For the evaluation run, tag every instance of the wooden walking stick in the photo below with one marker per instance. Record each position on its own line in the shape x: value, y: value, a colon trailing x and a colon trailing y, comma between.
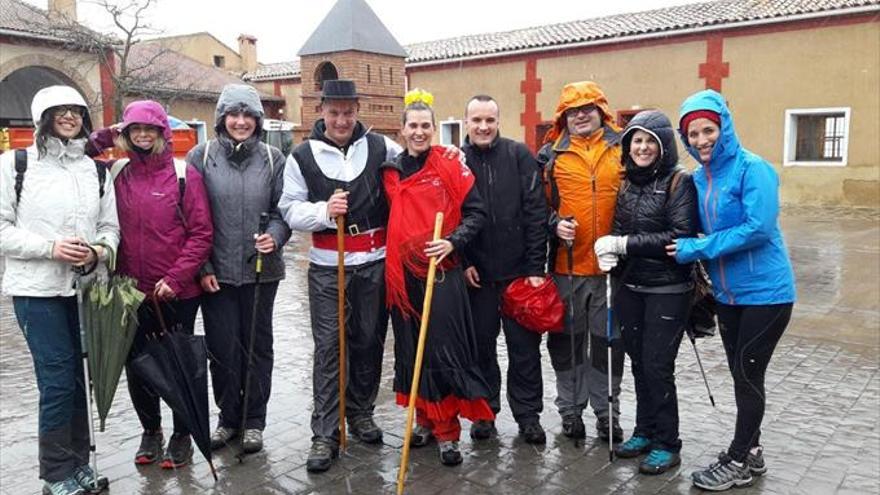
x: 340, y: 311
x: 420, y: 354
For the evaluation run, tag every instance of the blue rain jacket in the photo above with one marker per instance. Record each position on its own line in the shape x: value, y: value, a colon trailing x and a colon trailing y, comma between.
x: 738, y: 196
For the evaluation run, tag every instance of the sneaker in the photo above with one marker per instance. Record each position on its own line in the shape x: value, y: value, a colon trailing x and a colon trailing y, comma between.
x: 659, y: 461
x: 68, y: 486
x: 321, y: 455
x: 222, y: 436
x: 252, y: 440
x: 85, y: 477
x: 723, y: 474
x: 533, y: 433
x: 483, y: 430
x: 602, y: 430
x: 450, y: 455
x: 150, y: 449
x: 421, y: 436
x: 179, y: 452
x: 573, y: 427
x: 755, y: 461
x: 633, y: 447
x: 365, y: 429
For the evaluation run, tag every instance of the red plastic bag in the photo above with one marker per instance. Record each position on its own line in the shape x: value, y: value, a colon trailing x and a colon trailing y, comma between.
x: 539, y: 309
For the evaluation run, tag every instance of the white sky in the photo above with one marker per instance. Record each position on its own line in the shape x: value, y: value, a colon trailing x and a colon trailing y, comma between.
x: 282, y: 26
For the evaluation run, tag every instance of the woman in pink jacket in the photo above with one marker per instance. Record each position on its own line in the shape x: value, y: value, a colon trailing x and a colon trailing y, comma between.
x: 166, y: 231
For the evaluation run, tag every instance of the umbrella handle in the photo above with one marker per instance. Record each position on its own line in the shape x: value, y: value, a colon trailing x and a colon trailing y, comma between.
x: 420, y: 354
x: 158, y: 310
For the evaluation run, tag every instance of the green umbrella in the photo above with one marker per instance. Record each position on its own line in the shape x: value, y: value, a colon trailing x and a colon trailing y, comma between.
x: 110, y: 316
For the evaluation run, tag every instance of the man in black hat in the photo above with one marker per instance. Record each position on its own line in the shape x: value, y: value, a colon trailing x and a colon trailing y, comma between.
x: 341, y: 155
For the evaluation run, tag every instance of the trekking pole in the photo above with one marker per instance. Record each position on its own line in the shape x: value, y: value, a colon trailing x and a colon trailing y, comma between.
x: 575, y: 379
x: 608, y: 334
x: 258, y: 270
x: 420, y: 354
x: 84, y: 348
x: 340, y: 311
x: 693, y: 340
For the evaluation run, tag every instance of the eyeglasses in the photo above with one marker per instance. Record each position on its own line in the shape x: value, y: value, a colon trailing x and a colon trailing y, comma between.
x: 585, y: 109
x: 75, y: 110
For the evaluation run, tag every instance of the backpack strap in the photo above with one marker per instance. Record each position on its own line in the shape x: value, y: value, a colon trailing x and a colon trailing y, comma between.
x: 205, y: 156
x: 117, y: 167
x: 271, y: 159
x: 20, y: 169
x: 102, y: 177
x: 673, y: 184
x: 180, y: 171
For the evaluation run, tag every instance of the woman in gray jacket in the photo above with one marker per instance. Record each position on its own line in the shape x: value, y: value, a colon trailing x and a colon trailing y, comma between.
x: 56, y: 213
x: 244, y: 178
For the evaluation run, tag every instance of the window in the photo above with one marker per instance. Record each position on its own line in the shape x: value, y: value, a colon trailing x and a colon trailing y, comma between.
x: 816, y: 136
x: 219, y: 61
x: 390, y: 75
x: 450, y: 132
x: 369, y: 79
x: 323, y: 72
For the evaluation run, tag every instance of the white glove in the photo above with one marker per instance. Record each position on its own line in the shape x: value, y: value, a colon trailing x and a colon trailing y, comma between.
x: 614, y: 244
x: 607, y: 261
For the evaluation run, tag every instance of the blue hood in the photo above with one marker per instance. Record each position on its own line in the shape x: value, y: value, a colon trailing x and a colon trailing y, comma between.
x: 728, y: 146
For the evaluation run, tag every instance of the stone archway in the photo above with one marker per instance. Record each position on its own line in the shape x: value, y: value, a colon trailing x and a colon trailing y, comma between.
x: 325, y: 71
x: 22, y: 77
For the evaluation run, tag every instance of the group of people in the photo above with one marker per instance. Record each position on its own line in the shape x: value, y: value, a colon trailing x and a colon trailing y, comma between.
x: 596, y: 199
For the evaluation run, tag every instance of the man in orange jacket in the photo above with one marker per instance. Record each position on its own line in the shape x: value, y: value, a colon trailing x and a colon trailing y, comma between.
x: 581, y: 160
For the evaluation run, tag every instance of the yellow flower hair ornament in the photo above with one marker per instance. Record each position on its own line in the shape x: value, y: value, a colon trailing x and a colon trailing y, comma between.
x: 418, y: 95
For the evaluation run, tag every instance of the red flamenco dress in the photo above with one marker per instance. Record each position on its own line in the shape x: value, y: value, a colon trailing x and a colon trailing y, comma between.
x: 451, y: 383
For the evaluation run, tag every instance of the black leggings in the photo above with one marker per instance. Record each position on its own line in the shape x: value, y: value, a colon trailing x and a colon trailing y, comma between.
x: 750, y: 334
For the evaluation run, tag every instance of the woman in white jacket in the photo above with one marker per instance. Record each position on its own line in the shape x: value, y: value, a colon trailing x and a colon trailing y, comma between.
x: 55, y: 214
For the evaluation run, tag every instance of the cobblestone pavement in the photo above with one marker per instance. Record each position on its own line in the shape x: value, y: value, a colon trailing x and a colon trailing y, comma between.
x: 820, y: 431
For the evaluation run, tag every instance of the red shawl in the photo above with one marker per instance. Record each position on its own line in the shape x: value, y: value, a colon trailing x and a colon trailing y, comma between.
x: 441, y: 185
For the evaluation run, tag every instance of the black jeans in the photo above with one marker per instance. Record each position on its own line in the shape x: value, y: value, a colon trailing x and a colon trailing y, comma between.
x: 179, y: 316
x: 524, y: 384
x: 652, y: 327
x: 227, y: 315
x: 750, y: 335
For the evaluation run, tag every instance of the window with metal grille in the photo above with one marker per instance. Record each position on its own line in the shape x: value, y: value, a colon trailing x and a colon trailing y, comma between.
x: 816, y: 136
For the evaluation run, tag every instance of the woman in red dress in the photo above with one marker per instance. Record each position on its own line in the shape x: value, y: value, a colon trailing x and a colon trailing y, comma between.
x: 419, y: 183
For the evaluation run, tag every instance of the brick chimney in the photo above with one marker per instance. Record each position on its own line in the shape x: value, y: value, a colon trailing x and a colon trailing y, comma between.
x: 247, y: 49
x: 62, y: 9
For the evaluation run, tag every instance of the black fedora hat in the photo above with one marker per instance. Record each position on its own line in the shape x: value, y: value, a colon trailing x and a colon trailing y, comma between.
x: 338, y: 89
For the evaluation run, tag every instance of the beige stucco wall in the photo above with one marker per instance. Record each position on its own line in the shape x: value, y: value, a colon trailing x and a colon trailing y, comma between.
x: 202, y: 47
x: 837, y: 66
x: 291, y: 91
x: 82, y: 69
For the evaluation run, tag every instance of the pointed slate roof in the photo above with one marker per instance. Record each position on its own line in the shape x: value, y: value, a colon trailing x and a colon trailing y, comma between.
x: 352, y: 25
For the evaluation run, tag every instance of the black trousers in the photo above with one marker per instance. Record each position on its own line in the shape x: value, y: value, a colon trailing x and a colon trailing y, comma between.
x: 750, y: 335
x: 652, y: 326
x: 366, y: 324
x: 179, y: 316
x: 524, y: 384
x: 227, y: 316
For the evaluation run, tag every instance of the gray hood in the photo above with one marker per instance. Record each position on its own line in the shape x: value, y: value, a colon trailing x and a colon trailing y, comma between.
x: 235, y: 96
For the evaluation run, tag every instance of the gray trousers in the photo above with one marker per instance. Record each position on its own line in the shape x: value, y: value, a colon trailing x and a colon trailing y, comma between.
x: 366, y: 323
x: 587, y: 380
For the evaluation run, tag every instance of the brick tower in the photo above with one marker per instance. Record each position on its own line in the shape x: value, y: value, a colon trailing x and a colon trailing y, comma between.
x: 352, y: 43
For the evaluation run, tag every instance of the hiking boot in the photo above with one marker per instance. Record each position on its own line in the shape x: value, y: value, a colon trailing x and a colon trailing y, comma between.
x: 573, y: 427
x: 723, y: 474
x: 421, y: 436
x: 450, y: 455
x: 483, y: 430
x: 533, y: 433
x: 150, y: 449
x: 321, y: 455
x: 365, y: 429
x: 252, y: 441
x: 85, y: 477
x: 67, y: 486
x: 659, y: 461
x: 755, y: 461
x: 633, y: 447
x: 602, y: 430
x: 222, y: 436
x: 179, y: 452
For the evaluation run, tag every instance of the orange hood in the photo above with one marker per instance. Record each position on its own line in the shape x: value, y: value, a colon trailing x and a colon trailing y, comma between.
x: 578, y: 94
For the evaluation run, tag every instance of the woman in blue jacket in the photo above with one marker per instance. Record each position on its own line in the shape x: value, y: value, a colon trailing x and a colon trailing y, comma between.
x: 749, y: 266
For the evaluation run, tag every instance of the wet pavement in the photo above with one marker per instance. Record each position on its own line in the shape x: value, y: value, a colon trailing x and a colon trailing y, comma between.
x: 820, y: 431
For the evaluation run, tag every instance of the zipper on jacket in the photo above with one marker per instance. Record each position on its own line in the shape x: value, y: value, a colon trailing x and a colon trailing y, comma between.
x: 709, y: 196
x: 595, y: 232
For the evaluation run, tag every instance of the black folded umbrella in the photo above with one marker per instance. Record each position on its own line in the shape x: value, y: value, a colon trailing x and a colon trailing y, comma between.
x: 175, y: 365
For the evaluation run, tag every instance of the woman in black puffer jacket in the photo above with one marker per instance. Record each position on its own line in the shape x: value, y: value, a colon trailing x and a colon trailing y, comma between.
x: 656, y: 204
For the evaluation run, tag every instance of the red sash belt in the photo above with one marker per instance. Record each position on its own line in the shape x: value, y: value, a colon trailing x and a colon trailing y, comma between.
x: 360, y: 243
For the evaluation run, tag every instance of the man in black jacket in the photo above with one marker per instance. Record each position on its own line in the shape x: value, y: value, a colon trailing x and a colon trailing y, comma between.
x: 510, y: 246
